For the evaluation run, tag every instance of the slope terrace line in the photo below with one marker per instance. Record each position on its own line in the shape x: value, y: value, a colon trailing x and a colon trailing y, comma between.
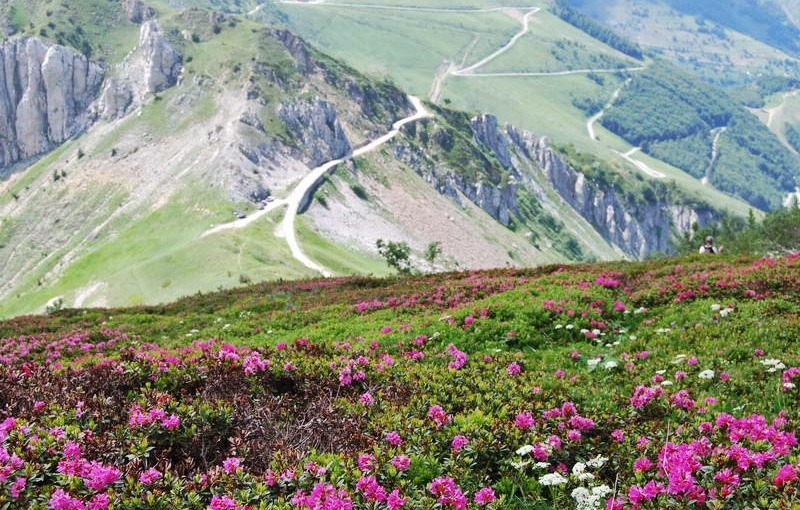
x: 304, y: 190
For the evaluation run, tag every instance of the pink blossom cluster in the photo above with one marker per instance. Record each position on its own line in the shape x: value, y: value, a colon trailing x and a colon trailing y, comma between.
x: 138, y: 418
x: 643, y: 395
x: 323, y: 496
x: 459, y: 358
x: 448, y: 493
x: 438, y: 415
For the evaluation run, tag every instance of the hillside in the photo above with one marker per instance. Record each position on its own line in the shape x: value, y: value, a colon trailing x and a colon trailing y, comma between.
x: 219, y: 151
x: 552, y: 77
x: 648, y: 385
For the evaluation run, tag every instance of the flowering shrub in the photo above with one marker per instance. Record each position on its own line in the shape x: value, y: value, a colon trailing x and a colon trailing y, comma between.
x: 624, y: 386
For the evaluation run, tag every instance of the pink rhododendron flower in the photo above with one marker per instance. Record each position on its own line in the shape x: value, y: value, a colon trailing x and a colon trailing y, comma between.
x: 642, y: 464
x: 371, y: 489
x: 223, y: 503
x: 394, y: 501
x: 171, y: 423
x: 366, y: 462
x: 524, y: 421
x: 786, y: 474
x: 60, y: 500
x: 394, y: 439
x: 99, y: 502
x: 231, y: 465
x: 459, y: 442
x: 438, y: 415
x: 449, y: 494
x: 484, y: 496
x: 401, y: 462
x: 149, y: 476
x: 17, y: 487
x: 100, y: 476
x: 366, y: 399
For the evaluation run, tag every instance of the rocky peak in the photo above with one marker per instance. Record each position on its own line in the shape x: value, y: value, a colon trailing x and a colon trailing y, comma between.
x: 45, y: 93
x: 138, y: 11
x: 152, y: 67
x: 315, y: 124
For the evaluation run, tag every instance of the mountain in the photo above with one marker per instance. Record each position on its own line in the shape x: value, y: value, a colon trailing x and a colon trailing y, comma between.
x: 160, y: 150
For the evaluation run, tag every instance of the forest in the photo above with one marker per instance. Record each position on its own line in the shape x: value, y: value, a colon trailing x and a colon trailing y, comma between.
x: 675, y: 117
x: 596, y: 30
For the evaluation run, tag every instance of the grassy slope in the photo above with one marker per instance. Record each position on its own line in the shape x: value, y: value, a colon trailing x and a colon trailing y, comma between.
x: 672, y: 331
x: 542, y: 105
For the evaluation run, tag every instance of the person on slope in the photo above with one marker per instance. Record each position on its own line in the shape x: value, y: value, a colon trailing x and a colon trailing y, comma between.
x: 709, y: 247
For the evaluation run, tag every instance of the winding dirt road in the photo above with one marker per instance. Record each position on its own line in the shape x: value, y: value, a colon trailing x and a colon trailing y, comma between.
x: 594, y: 118
x: 304, y: 190
x: 628, y: 156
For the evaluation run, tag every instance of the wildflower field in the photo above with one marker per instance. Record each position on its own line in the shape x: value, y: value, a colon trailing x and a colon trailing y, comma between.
x: 662, y: 384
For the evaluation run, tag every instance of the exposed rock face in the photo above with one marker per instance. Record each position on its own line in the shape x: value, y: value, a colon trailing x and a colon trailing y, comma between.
x: 315, y: 125
x: 45, y: 93
x: 138, y: 11
x: 638, y: 228
x: 152, y: 67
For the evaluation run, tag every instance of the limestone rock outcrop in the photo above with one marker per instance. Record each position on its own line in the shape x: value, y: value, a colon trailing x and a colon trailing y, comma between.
x: 45, y: 94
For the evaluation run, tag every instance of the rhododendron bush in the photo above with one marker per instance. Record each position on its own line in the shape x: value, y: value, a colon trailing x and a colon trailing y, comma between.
x: 665, y: 384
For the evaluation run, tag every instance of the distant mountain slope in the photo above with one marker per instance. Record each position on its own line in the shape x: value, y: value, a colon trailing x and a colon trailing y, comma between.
x: 728, y: 43
x: 674, y: 117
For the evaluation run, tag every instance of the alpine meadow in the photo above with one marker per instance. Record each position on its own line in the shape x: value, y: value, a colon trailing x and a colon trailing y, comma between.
x: 399, y: 254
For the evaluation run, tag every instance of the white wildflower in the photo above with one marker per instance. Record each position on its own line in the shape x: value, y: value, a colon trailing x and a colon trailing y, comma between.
x: 597, y: 462
x: 608, y: 365
x: 788, y: 386
x: 542, y: 465
x: 602, y: 491
x: 725, y: 312
x: 593, y: 362
x: 661, y: 372
x: 716, y: 307
x: 666, y: 382
x: 525, y: 450
x: 578, y: 468
x: 569, y: 326
x: 706, y: 374
x: 552, y: 479
x: 559, y: 326
x: 633, y: 337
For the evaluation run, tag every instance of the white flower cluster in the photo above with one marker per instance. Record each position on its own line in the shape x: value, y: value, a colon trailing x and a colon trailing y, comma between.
x: 723, y: 312
x: 579, y: 472
x: 706, y: 374
x: 551, y: 479
x: 586, y: 499
x: 773, y: 364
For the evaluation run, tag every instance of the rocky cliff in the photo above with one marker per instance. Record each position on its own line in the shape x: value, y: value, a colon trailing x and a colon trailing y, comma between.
x: 637, y: 226
x: 45, y: 94
x: 50, y: 93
